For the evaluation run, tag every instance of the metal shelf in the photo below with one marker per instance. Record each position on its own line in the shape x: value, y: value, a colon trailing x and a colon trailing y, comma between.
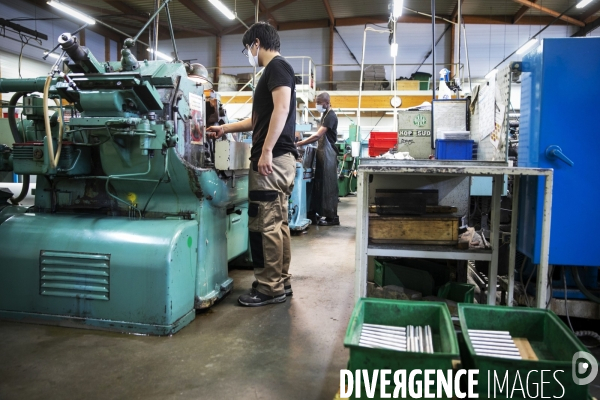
x: 427, y: 251
x: 403, y: 169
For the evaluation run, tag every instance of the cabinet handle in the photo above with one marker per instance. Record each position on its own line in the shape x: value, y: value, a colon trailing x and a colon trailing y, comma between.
x: 553, y: 152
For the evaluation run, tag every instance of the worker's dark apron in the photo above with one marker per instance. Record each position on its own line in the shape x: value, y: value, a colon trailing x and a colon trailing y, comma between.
x: 325, y: 188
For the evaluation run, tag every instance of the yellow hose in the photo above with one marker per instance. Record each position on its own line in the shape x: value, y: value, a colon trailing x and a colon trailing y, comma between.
x: 60, y: 132
x: 47, y: 123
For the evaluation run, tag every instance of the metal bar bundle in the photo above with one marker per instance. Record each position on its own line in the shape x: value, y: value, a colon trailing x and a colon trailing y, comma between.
x: 494, y: 344
x: 417, y: 339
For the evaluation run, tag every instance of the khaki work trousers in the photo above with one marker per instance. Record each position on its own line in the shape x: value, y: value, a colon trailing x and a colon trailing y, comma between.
x: 270, y: 242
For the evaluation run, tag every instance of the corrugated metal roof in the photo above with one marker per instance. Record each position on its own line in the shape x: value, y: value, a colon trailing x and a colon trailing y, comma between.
x: 357, y: 8
x: 301, y: 10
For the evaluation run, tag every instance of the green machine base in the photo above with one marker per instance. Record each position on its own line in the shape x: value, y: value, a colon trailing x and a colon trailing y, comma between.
x: 110, y: 273
x: 99, y: 324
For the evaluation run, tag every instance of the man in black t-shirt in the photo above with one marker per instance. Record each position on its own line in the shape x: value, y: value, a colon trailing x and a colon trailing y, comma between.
x: 324, y: 199
x: 273, y: 166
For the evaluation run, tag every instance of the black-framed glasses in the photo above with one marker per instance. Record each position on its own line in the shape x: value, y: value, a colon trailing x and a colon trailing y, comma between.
x: 245, y: 51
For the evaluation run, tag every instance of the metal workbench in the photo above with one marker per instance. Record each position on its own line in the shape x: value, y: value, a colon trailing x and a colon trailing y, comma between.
x: 399, y: 169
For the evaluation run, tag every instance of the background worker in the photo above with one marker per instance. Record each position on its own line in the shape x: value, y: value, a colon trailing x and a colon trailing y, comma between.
x: 324, y: 198
x: 273, y: 168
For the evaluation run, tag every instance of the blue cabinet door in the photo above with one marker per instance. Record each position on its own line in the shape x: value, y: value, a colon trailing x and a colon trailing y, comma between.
x: 560, y: 115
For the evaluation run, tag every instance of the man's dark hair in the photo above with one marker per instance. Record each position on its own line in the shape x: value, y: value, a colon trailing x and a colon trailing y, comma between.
x: 324, y: 97
x: 268, y: 36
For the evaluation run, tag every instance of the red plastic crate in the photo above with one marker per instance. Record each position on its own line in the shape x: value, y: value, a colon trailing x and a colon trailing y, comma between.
x: 384, y: 135
x: 382, y: 142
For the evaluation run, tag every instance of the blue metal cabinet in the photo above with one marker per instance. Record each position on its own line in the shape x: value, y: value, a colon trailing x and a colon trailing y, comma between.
x: 560, y: 123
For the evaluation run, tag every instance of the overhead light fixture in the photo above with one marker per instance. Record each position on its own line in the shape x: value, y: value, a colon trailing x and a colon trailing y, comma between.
x: 161, y: 55
x: 527, y: 46
x: 397, y: 8
x: 223, y: 8
x: 491, y: 74
x: 394, y: 49
x: 583, y: 3
x: 348, y: 112
x: 72, y: 12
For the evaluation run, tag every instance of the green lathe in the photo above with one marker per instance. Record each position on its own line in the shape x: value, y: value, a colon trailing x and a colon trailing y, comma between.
x: 136, y: 213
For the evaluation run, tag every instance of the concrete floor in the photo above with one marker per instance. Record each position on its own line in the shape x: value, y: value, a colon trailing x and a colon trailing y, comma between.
x: 287, y: 351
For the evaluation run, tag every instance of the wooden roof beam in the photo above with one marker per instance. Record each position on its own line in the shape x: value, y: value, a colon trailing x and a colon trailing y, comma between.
x: 506, y: 20
x: 193, y: 7
x: 588, y: 15
x: 265, y: 10
x: 587, y: 29
x: 548, y: 11
x: 294, y: 25
x: 329, y: 12
x: 522, y: 11
x: 454, y: 14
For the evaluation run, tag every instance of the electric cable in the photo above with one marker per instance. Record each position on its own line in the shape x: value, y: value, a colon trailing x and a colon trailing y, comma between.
x: 521, y: 279
x: 564, y: 279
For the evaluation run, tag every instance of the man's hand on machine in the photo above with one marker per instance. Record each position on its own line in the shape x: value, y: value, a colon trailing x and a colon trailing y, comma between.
x: 215, y: 132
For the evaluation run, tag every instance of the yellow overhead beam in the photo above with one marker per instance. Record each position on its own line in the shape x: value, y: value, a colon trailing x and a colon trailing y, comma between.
x: 351, y: 101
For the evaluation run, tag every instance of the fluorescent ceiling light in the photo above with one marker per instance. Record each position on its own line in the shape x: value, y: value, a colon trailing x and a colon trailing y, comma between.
x: 397, y: 8
x: 72, y: 12
x: 161, y: 55
x: 223, y: 8
x: 527, y: 46
x: 583, y: 3
x: 347, y: 112
x: 491, y: 74
x: 394, y: 49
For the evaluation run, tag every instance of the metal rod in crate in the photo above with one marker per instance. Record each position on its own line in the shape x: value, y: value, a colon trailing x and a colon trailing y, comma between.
x: 415, y: 339
x: 498, y: 344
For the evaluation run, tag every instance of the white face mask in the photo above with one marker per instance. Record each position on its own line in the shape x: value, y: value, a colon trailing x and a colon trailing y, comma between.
x: 320, y: 108
x: 253, y: 60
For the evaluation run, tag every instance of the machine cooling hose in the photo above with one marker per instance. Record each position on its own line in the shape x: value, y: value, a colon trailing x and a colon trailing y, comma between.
x: 47, y: 124
x: 24, y: 191
x: 588, y: 333
x: 12, y: 121
x: 581, y: 286
x: 61, y: 129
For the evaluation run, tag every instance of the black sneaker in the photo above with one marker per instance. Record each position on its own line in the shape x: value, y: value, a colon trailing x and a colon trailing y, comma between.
x: 329, y: 221
x: 257, y: 299
x: 287, y: 288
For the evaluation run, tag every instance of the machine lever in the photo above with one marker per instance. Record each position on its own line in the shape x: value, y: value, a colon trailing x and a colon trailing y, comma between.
x: 554, y: 151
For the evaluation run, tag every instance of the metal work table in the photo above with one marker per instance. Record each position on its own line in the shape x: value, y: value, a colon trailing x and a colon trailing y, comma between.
x: 446, y: 168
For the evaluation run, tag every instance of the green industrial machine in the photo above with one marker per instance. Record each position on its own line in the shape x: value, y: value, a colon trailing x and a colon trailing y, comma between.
x: 136, y: 213
x: 347, y: 163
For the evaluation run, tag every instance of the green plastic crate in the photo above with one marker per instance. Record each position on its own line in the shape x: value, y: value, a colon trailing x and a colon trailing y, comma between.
x: 552, y: 341
x: 458, y: 292
x: 401, y: 313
